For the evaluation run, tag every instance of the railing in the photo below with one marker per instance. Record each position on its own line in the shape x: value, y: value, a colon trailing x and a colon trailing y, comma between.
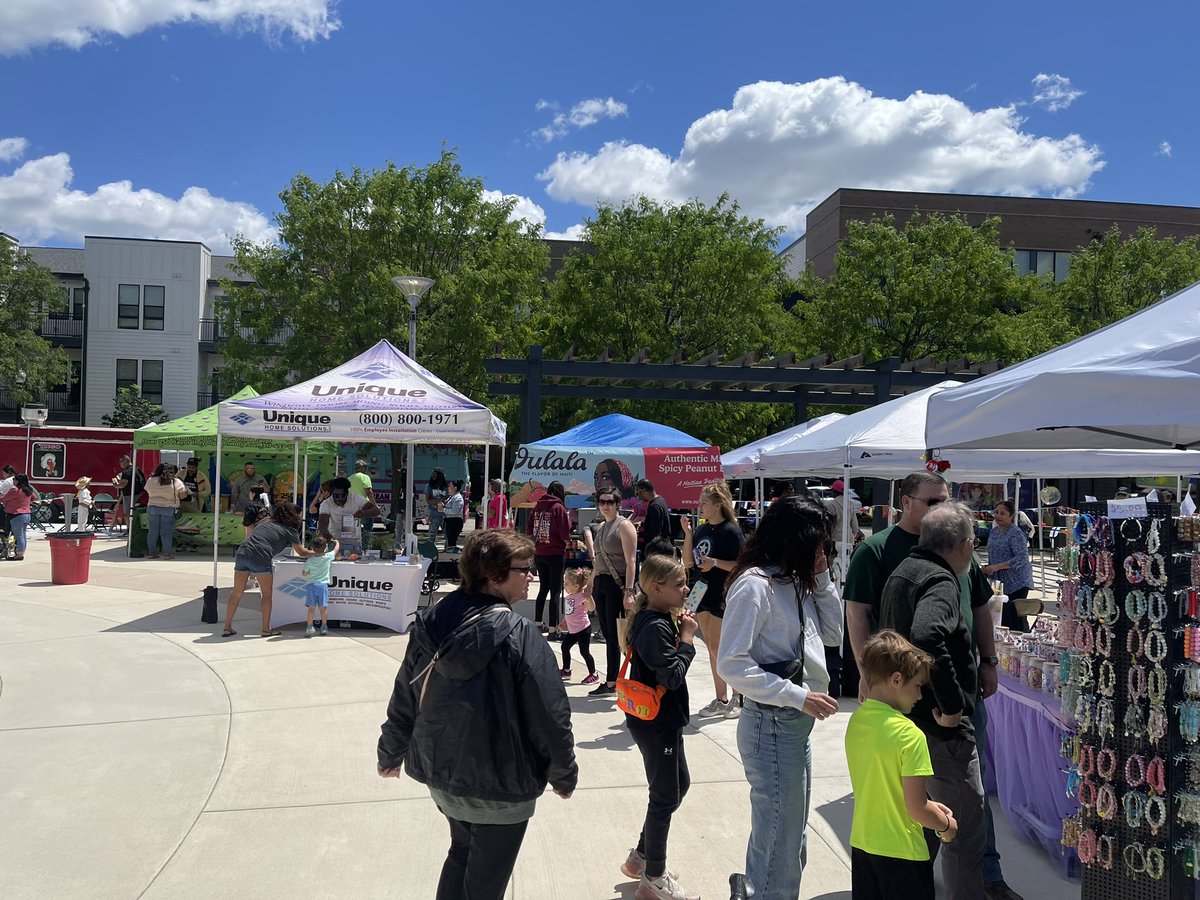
x: 212, y: 332
x: 54, y: 327
x: 204, y: 401
x: 61, y: 404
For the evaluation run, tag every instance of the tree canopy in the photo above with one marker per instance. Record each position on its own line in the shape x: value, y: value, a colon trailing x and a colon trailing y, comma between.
x: 29, y: 365
x: 132, y: 410
x: 677, y: 280
x: 325, y: 290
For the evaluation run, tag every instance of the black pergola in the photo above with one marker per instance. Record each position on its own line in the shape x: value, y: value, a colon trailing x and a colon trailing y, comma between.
x: 713, y: 379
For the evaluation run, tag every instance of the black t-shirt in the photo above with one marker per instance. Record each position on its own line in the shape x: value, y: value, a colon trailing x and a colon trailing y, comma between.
x: 657, y: 522
x: 264, y: 542
x: 659, y: 658
x: 139, y: 481
x: 721, y: 541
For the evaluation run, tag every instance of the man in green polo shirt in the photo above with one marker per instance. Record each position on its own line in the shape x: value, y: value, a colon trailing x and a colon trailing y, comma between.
x: 872, y: 563
x: 360, y: 483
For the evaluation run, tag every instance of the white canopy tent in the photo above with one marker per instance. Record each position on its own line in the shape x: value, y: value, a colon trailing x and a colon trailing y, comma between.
x: 380, y: 396
x: 1134, y: 384
x: 747, y: 461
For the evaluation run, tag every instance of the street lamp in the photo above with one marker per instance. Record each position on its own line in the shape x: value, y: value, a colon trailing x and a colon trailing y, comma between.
x: 414, y: 287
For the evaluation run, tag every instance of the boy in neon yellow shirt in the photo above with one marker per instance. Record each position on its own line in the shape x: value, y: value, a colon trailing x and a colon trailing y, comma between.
x: 889, y: 760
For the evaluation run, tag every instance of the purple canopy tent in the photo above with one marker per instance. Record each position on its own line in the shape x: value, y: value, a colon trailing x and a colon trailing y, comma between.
x: 378, y: 396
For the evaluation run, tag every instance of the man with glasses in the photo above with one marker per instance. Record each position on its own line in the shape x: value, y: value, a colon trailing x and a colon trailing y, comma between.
x: 870, y: 567
x: 341, y: 516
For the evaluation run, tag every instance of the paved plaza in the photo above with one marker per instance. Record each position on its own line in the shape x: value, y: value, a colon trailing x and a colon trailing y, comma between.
x: 145, y: 756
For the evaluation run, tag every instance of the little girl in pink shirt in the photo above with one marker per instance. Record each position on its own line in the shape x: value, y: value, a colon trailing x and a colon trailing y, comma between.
x: 575, y: 622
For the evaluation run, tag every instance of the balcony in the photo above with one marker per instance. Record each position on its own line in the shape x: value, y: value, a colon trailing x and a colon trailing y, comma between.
x: 204, y: 401
x: 63, y: 405
x: 213, y: 334
x: 62, y: 330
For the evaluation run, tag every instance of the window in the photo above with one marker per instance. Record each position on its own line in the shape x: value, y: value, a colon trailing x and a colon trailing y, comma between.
x: 153, y: 302
x: 152, y: 380
x: 77, y: 295
x: 128, y: 305
x: 127, y: 373
x: 1043, y: 262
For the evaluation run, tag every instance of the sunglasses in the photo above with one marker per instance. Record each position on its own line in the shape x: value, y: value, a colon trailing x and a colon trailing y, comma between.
x: 606, y: 502
x: 530, y: 569
x: 932, y: 501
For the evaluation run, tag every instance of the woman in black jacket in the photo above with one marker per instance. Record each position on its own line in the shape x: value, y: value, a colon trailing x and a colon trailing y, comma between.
x: 479, y: 714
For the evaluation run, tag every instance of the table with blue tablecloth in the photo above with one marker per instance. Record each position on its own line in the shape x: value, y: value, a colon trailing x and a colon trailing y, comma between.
x: 1026, y: 770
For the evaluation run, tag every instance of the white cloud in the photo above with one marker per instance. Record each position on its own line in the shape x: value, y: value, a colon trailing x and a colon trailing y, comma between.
x: 574, y: 233
x: 12, y: 148
x: 523, y: 210
x: 1054, y: 92
x: 581, y: 115
x: 25, y: 24
x: 37, y: 205
x: 782, y: 148
x: 1164, y: 149
x: 545, y: 104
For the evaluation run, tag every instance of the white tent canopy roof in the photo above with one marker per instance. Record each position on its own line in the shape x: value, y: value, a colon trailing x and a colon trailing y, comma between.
x: 378, y: 396
x: 745, y: 462
x: 887, y: 441
x: 1133, y: 384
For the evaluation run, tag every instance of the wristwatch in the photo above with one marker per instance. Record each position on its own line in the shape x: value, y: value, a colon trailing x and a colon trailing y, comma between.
x: 989, y: 660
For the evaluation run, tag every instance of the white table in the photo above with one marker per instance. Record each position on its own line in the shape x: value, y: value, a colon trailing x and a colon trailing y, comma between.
x: 379, y: 592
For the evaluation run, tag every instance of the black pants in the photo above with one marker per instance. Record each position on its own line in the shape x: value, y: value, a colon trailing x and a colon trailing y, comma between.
x: 610, y: 606
x: 1009, y: 617
x: 669, y: 779
x: 584, y: 640
x: 480, y: 861
x: 454, y: 527
x: 884, y: 878
x: 550, y: 583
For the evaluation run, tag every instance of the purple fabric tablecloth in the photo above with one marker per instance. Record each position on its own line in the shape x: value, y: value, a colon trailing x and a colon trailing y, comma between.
x: 1026, y: 771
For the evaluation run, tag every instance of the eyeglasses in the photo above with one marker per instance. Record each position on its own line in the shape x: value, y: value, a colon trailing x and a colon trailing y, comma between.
x: 530, y: 569
x: 606, y: 502
x: 931, y: 502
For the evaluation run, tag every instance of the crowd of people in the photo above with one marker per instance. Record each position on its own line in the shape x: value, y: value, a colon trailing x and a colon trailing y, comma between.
x: 769, y: 614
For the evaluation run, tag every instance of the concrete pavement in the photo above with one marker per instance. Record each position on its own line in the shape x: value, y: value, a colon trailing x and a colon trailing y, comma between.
x: 148, y: 757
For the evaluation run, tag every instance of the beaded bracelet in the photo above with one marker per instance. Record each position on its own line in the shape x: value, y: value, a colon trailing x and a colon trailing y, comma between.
x: 1156, y: 646
x: 1087, y: 794
x: 1087, y: 564
x: 1106, y: 608
x: 1189, y: 720
x: 1136, y: 564
x: 1136, y: 682
x: 1135, y: 775
x: 1106, y: 802
x: 1156, y: 775
x: 1155, y: 863
x: 1084, y: 598
x: 1131, y: 537
x: 1156, y: 685
x: 1104, y: 717
x: 1105, y: 851
x: 1106, y: 679
x: 1156, y: 725
x: 1087, y: 846
x: 1189, y: 603
x: 1084, y: 710
x: 1155, y: 813
x: 1156, y: 570
x: 1191, y: 679
x: 1104, y: 640
x: 1135, y: 639
x: 1104, y: 568
x: 1085, y: 528
x: 1134, y: 804
x: 1135, y: 858
x: 1106, y: 763
x: 1135, y: 720
x: 1084, y: 639
x: 1135, y: 606
x: 1157, y: 607
x: 1153, y: 539
x: 1070, y: 832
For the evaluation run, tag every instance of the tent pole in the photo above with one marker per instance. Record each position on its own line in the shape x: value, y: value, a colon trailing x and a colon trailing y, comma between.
x: 1041, y: 541
x: 304, y: 497
x: 217, y: 508
x: 132, y: 498
x: 409, y: 544
x: 844, y: 548
x: 295, y: 470
x: 1178, y: 488
x: 487, y: 482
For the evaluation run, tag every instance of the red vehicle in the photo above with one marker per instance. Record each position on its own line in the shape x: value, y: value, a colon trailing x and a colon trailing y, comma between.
x: 55, y: 456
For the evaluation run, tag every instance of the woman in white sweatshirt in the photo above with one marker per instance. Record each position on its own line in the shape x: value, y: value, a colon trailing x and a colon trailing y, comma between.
x: 780, y: 611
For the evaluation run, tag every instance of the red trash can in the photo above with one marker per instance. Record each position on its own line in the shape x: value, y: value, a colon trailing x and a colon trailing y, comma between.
x: 70, y: 556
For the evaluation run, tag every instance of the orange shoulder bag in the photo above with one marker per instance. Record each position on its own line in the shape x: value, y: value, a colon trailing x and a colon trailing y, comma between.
x: 633, y: 697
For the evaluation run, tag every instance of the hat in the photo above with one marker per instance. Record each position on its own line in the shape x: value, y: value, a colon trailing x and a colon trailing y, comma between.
x: 1122, y: 490
x: 193, y: 460
x: 82, y: 482
x: 838, y: 486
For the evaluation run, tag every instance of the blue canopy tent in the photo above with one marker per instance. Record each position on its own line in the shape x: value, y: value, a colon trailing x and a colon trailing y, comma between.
x: 617, y: 430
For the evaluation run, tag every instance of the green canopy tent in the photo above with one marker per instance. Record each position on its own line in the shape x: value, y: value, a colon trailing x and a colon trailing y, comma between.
x: 198, y: 432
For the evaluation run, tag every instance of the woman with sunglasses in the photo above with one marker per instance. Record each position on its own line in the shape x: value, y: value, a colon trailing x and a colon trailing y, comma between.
x: 479, y: 715
x: 614, y: 581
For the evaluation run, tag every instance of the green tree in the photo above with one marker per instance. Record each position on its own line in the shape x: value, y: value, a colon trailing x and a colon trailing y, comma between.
x: 938, y: 288
x: 29, y: 365
x: 132, y: 410
x: 325, y: 289
x: 1114, y: 277
x: 680, y: 281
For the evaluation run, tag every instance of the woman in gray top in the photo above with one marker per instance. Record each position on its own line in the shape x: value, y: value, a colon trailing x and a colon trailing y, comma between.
x: 780, y: 612
x: 614, y: 579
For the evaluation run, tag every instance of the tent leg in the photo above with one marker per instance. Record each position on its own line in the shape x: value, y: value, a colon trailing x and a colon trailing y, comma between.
x: 132, y: 498
x: 1041, y: 542
x: 410, y: 541
x: 487, y: 482
x: 216, y: 510
x: 296, y: 471
x: 844, y: 547
x: 304, y: 498
x: 887, y: 509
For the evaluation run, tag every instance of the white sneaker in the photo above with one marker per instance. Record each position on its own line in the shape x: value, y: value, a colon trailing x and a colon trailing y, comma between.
x: 310, y: 631
x: 635, y: 864
x: 665, y: 888
x: 733, y: 709
x: 716, y: 708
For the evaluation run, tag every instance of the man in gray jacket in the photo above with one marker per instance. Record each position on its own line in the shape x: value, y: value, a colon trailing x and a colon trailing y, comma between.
x: 921, y: 601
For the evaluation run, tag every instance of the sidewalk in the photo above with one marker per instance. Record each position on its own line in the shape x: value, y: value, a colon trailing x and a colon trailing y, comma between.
x: 149, y: 757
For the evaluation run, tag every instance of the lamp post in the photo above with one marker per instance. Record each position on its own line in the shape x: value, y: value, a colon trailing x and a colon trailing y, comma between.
x: 414, y: 287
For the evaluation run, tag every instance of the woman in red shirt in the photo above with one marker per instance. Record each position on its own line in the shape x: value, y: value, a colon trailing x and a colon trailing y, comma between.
x: 17, y: 504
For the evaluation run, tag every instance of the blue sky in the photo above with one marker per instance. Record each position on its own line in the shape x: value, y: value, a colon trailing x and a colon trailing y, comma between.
x: 184, y: 119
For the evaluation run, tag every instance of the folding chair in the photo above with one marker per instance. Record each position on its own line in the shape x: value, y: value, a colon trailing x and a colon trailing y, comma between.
x: 100, y: 518
x: 431, y: 583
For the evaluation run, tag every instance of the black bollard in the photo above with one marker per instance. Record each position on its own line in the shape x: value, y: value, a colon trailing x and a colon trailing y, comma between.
x: 209, y: 616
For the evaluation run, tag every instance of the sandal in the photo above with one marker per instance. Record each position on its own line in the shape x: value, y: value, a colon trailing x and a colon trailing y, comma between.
x: 272, y: 633
x: 228, y: 632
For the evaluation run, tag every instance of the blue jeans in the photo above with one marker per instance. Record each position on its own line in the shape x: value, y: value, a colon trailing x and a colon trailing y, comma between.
x: 160, y: 521
x: 777, y: 756
x: 17, y: 525
x: 992, y: 873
